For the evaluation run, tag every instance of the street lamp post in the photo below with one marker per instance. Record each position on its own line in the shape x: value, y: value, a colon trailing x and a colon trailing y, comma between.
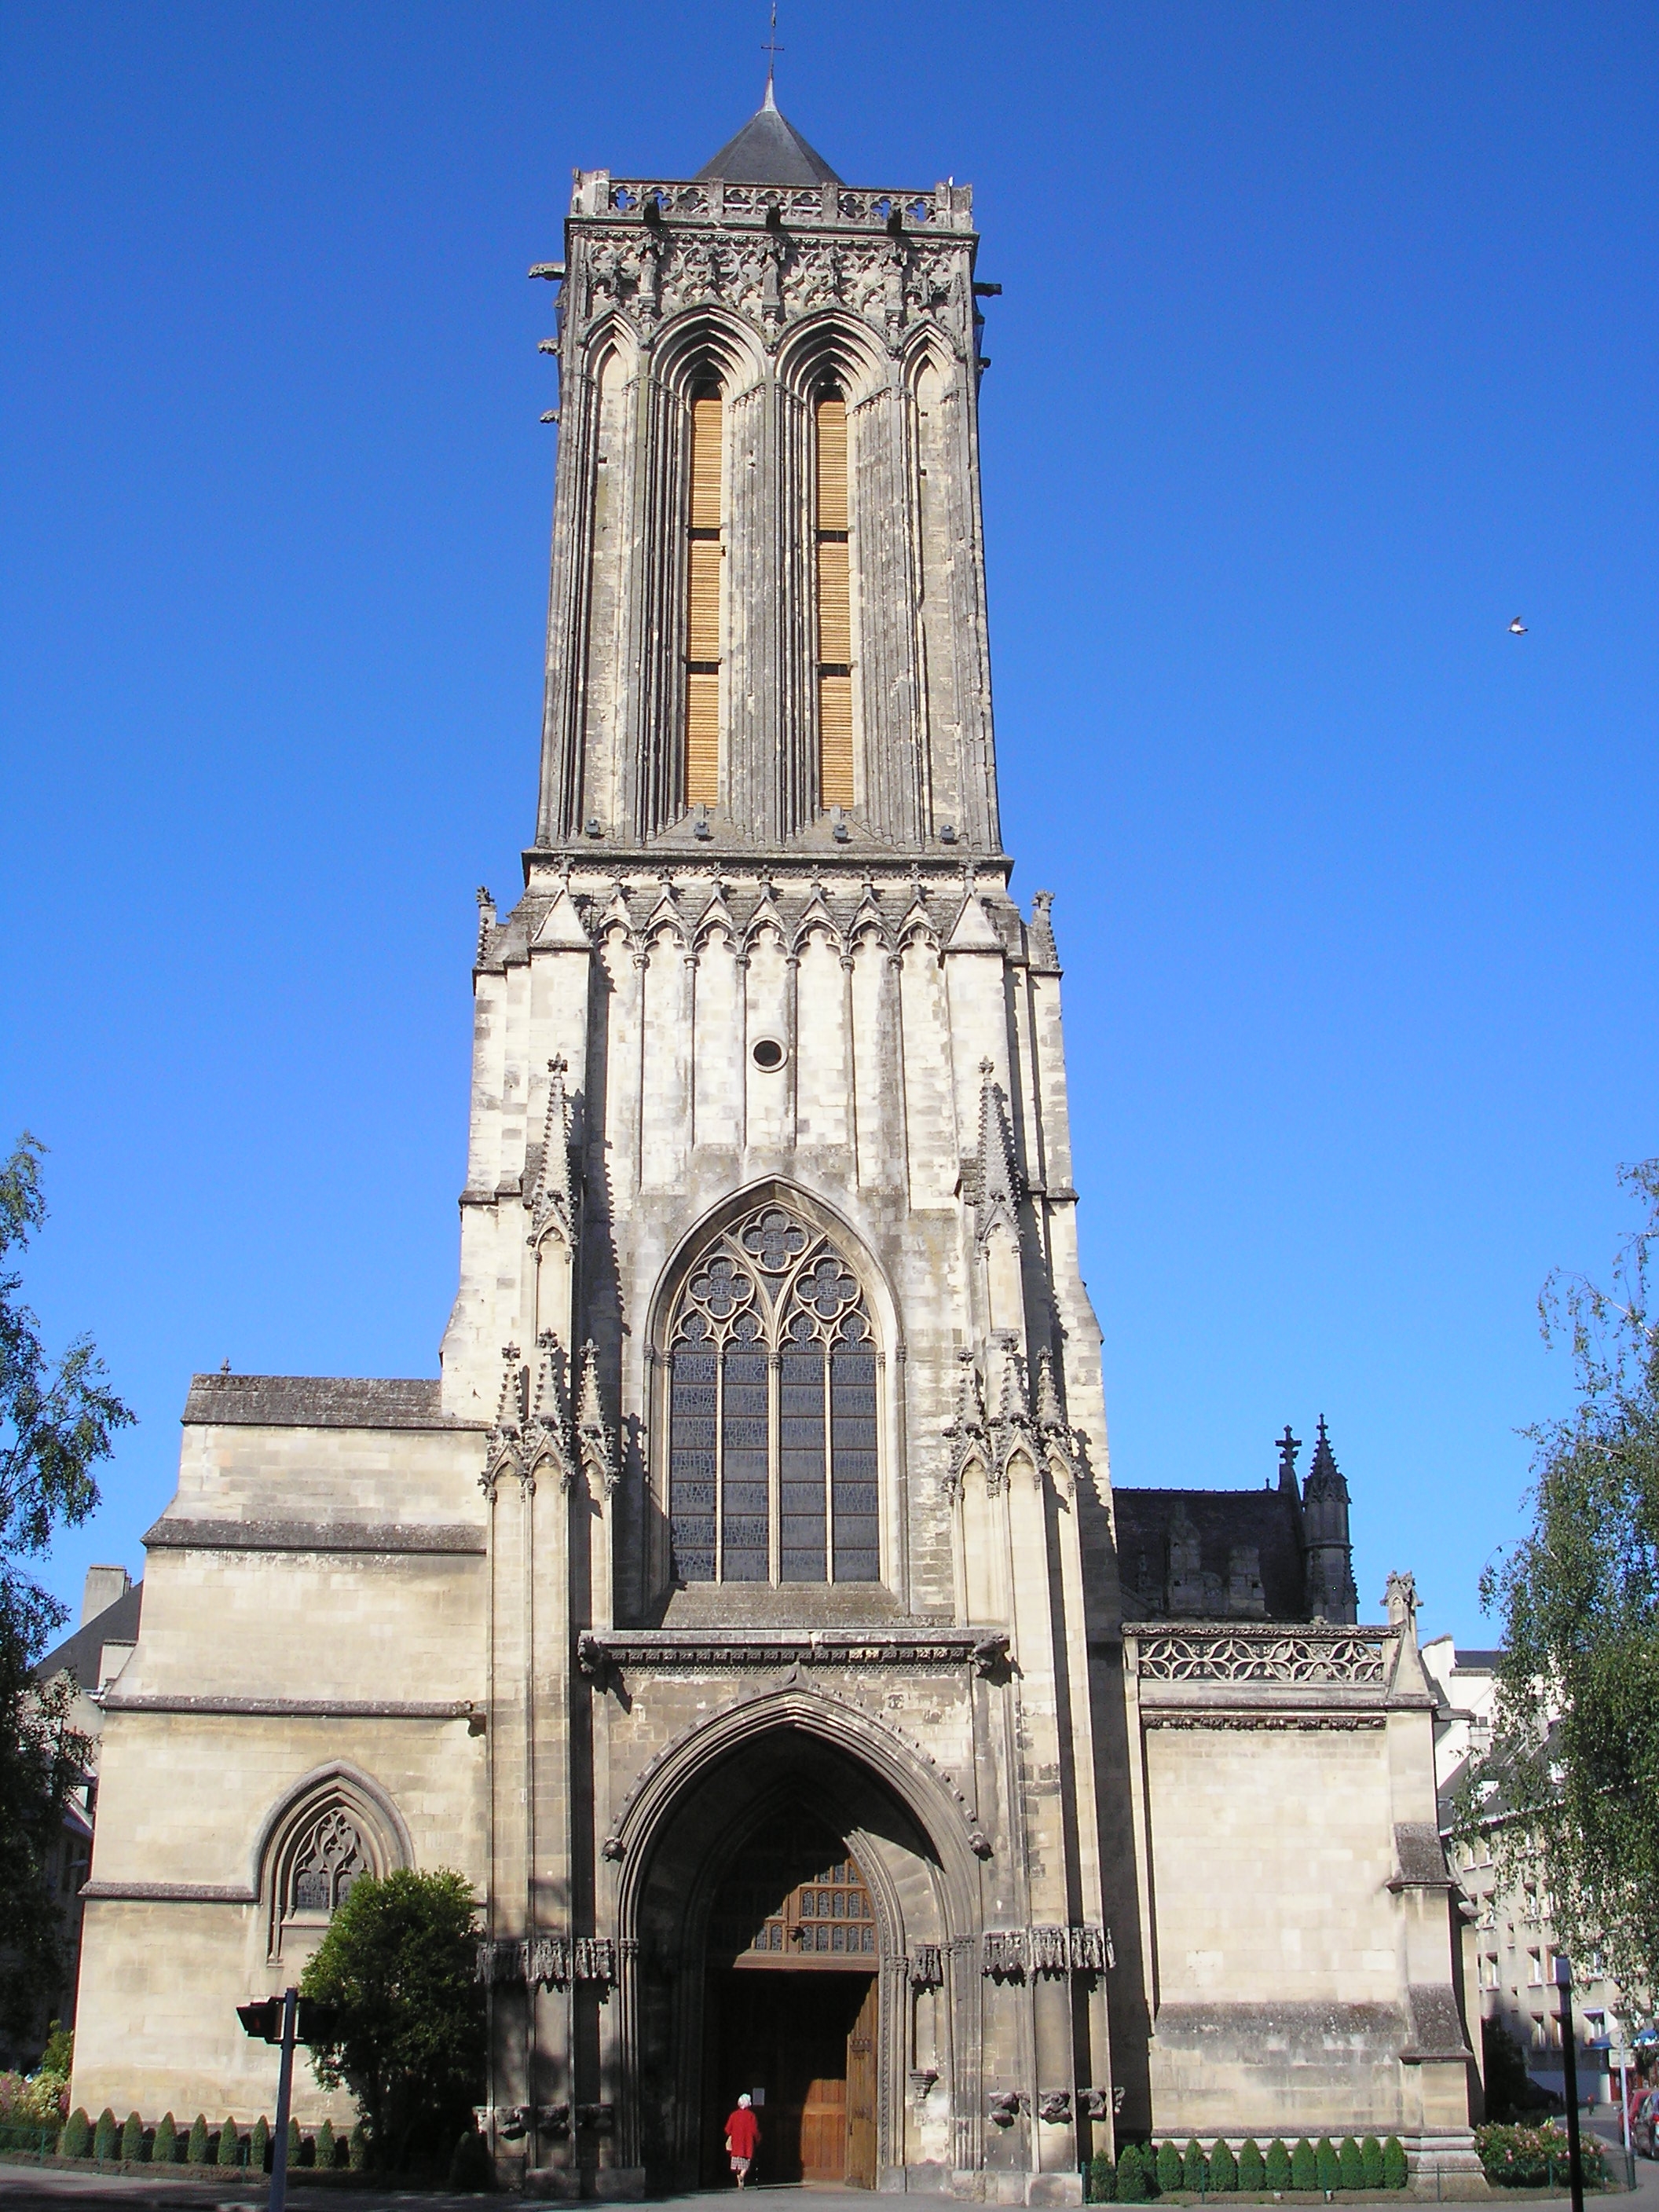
x: 1570, y: 2080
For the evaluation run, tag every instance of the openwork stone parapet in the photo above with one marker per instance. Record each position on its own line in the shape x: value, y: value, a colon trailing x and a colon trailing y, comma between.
x: 1308, y: 1657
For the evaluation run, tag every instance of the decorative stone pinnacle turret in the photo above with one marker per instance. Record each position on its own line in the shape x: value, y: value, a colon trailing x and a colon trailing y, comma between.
x: 1289, y: 1446
x: 1044, y: 953
x: 486, y: 919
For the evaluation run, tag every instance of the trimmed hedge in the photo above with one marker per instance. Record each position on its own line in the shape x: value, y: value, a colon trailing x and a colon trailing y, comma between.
x: 293, y: 2144
x: 1327, y: 2165
x: 259, y: 2145
x: 1305, y: 2166
x: 357, y: 2148
x: 77, y: 2139
x: 1194, y: 2168
x: 1223, y: 2169
x: 1396, y: 2172
x: 230, y: 2146
x: 469, y: 2166
x: 1134, y: 2182
x: 1351, y: 2167
x: 1370, y: 2162
x: 1252, y: 2166
x: 1170, y: 2171
x: 1278, y: 2173
x: 106, y: 2137
x: 165, y: 2149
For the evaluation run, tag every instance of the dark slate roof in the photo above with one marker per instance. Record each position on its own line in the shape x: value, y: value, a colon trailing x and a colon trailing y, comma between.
x: 1264, y: 1518
x: 317, y: 1401
x: 79, y: 1654
x: 769, y: 150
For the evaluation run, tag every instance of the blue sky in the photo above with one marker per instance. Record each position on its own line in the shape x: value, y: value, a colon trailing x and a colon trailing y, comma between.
x: 1326, y: 346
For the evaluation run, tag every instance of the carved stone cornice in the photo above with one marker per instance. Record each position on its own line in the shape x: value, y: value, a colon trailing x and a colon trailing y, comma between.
x: 703, y: 1650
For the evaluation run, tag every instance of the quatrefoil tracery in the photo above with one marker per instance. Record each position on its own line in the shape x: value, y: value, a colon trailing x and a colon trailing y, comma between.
x: 771, y: 1278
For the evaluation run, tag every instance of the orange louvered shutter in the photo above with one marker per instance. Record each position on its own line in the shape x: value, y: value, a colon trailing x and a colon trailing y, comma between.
x: 702, y: 740
x: 703, y: 566
x: 835, y: 740
x: 705, y: 463
x: 835, y: 609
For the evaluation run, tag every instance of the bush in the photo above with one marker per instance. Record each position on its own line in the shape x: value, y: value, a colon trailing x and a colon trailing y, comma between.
x: 1370, y: 2161
x: 259, y: 2145
x: 77, y: 2139
x: 1277, y: 2170
x: 1351, y: 2166
x: 1223, y: 2169
x: 1133, y: 2181
x: 132, y: 2140
x: 357, y: 2148
x: 468, y: 2163
x: 1396, y: 2172
x: 196, y: 2150
x: 1100, y: 2183
x: 295, y: 2145
x: 1519, y: 2157
x: 106, y: 2139
x: 1252, y: 2169
x: 1305, y: 2166
x: 230, y: 2145
x: 165, y: 2149
x: 324, y: 2151
x: 1171, y: 2173
x: 1194, y: 2168
x: 307, y: 2151
x: 1327, y: 2163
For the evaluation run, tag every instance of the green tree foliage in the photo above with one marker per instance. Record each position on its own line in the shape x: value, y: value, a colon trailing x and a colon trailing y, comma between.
x: 1102, y: 2180
x: 1511, y: 2093
x: 1278, y: 2174
x: 165, y: 2149
x: 230, y: 2145
x: 56, y: 1421
x: 76, y: 2141
x: 132, y: 2140
x: 1576, y: 1751
x: 1252, y: 2166
x: 396, y: 1966
x: 1396, y: 2172
x: 326, y: 2144
x: 296, y: 2146
x: 1350, y: 2164
x: 196, y: 2151
x: 1305, y: 2166
x: 1171, y: 2170
x: 1371, y: 2160
x: 1133, y: 2182
x: 58, y: 2056
x: 1328, y: 2165
x: 259, y: 2145
x: 1223, y: 2169
x: 357, y: 2150
x: 107, y: 2136
x: 1194, y: 2167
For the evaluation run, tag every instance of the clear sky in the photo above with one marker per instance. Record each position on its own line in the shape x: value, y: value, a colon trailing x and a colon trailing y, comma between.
x: 1326, y: 346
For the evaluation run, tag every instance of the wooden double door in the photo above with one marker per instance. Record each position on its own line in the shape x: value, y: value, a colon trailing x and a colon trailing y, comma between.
x: 803, y: 2045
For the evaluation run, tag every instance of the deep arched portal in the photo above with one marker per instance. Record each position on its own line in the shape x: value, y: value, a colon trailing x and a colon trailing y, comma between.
x: 787, y: 1897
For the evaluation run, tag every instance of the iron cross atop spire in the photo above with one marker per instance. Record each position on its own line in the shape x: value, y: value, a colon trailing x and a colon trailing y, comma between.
x: 771, y: 49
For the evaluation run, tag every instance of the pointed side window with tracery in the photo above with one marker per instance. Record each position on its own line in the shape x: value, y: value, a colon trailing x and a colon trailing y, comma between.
x: 322, y: 1853
x: 773, y: 1460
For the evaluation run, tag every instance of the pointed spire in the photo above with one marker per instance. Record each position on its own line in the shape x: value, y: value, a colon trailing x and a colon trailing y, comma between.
x: 998, y: 1178
x: 1289, y: 1446
x: 552, y: 1194
x: 1325, y: 1478
x: 1048, y: 1412
x: 598, y: 1449
x: 1040, y: 936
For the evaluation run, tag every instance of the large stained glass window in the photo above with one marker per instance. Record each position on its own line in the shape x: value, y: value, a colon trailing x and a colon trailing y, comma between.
x: 772, y: 1454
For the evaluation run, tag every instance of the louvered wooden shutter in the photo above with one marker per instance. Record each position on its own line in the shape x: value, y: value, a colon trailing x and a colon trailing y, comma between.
x: 834, y: 610
x: 704, y: 561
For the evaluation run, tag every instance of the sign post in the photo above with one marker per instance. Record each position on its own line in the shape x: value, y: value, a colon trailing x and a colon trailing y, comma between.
x: 1570, y: 2080
x: 286, y: 2020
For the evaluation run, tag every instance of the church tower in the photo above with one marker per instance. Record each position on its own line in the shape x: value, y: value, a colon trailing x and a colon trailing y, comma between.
x: 769, y: 1285
x: 738, y: 1613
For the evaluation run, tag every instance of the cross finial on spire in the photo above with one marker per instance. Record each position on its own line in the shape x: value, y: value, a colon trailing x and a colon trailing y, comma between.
x: 771, y: 49
x: 1289, y: 1446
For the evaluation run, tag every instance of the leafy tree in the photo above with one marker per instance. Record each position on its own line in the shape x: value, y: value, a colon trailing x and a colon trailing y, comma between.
x: 1576, y: 1751
x: 397, y: 1965
x: 55, y: 1423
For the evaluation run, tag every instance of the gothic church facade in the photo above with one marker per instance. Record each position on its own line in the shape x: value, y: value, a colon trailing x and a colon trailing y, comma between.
x: 745, y: 1610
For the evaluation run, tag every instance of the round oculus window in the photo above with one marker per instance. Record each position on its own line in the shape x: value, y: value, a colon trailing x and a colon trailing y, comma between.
x: 768, y: 1053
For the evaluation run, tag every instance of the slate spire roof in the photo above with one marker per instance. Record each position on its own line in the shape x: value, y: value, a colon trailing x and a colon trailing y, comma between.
x: 769, y: 150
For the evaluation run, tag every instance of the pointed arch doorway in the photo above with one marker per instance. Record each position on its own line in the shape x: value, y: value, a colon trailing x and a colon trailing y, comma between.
x: 792, y: 2006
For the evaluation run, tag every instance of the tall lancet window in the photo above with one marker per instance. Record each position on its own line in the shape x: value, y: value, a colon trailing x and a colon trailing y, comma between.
x: 702, y: 605
x: 772, y: 1452
x: 835, y: 609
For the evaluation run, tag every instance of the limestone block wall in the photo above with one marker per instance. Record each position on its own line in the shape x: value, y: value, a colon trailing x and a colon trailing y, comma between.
x: 313, y: 1640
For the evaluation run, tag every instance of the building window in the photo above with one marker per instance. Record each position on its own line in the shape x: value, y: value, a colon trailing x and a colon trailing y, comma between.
x: 328, y: 1841
x: 1534, y: 1969
x: 772, y: 1454
x: 835, y: 608
x: 704, y: 556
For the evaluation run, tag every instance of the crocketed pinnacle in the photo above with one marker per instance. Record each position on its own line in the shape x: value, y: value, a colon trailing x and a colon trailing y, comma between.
x: 1325, y: 1478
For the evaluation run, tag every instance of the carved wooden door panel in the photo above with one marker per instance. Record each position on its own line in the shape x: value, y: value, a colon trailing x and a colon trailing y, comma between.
x: 860, y: 2092
x: 823, y: 2131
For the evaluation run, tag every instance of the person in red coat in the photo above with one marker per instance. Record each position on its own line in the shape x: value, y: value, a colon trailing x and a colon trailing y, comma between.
x: 742, y: 2135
